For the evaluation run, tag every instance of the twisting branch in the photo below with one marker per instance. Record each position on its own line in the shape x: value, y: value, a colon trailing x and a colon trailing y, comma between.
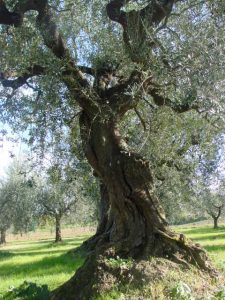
x: 220, y: 208
x: 35, y: 70
x: 73, y: 77
x: 135, y: 23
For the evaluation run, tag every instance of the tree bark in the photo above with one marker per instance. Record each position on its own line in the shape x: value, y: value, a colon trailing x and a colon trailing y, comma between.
x: 58, y: 236
x: 3, y: 236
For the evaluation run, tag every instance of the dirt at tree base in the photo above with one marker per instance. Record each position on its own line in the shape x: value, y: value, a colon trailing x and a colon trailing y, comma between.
x: 103, y: 277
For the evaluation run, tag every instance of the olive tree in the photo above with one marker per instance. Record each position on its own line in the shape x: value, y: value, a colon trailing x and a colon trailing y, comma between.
x: 57, y: 198
x: 101, y: 61
x: 17, y: 201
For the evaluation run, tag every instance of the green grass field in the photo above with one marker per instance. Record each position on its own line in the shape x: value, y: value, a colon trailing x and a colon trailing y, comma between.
x: 44, y: 262
x: 213, y: 240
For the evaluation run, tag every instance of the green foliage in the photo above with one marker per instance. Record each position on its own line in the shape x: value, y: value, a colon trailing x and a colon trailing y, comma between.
x: 120, y: 262
x: 29, y: 291
x: 17, y: 198
x: 181, y: 292
x: 220, y: 295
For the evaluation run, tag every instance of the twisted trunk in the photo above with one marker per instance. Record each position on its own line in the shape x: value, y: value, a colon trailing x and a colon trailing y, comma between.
x: 136, y: 224
x: 133, y: 222
x: 136, y: 216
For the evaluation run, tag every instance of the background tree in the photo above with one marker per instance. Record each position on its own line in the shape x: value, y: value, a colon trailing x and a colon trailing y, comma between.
x: 18, y: 195
x: 207, y: 183
x: 57, y: 198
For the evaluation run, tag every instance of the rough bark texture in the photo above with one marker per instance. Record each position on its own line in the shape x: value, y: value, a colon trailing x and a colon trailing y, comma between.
x: 3, y: 236
x: 127, y: 177
x: 58, y: 236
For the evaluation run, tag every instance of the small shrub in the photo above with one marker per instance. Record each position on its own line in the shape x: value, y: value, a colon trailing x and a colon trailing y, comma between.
x: 181, y: 292
x: 28, y: 291
x: 220, y: 295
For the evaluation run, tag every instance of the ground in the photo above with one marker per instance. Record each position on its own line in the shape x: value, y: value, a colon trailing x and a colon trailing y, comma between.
x: 36, y: 258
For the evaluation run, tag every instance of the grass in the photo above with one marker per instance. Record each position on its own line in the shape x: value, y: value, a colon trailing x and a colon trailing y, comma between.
x: 213, y: 240
x: 44, y: 262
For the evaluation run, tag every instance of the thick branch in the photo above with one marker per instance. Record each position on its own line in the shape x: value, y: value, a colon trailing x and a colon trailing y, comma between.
x: 86, y: 70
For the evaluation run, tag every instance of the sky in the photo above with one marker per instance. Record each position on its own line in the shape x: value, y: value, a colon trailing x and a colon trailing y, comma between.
x: 8, y: 151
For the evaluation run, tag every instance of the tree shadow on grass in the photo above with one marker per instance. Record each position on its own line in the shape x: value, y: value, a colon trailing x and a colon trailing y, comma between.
x: 51, y: 247
x: 42, y: 245
x: 215, y: 248
x: 210, y: 237
x: 65, y: 263
x: 201, y: 230
x: 6, y: 255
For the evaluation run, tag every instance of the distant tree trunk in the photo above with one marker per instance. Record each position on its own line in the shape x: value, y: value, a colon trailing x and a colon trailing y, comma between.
x: 215, y: 215
x: 58, y: 236
x: 215, y: 222
x: 3, y: 236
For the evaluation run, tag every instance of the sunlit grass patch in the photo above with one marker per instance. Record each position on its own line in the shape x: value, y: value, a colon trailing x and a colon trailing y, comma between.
x: 213, y: 240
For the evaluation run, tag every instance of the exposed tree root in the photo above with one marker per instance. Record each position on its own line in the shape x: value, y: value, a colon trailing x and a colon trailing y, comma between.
x: 108, y: 264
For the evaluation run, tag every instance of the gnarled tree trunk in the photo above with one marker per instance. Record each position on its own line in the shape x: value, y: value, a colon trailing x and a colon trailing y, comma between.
x: 136, y: 226
x: 133, y: 223
x: 136, y: 212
